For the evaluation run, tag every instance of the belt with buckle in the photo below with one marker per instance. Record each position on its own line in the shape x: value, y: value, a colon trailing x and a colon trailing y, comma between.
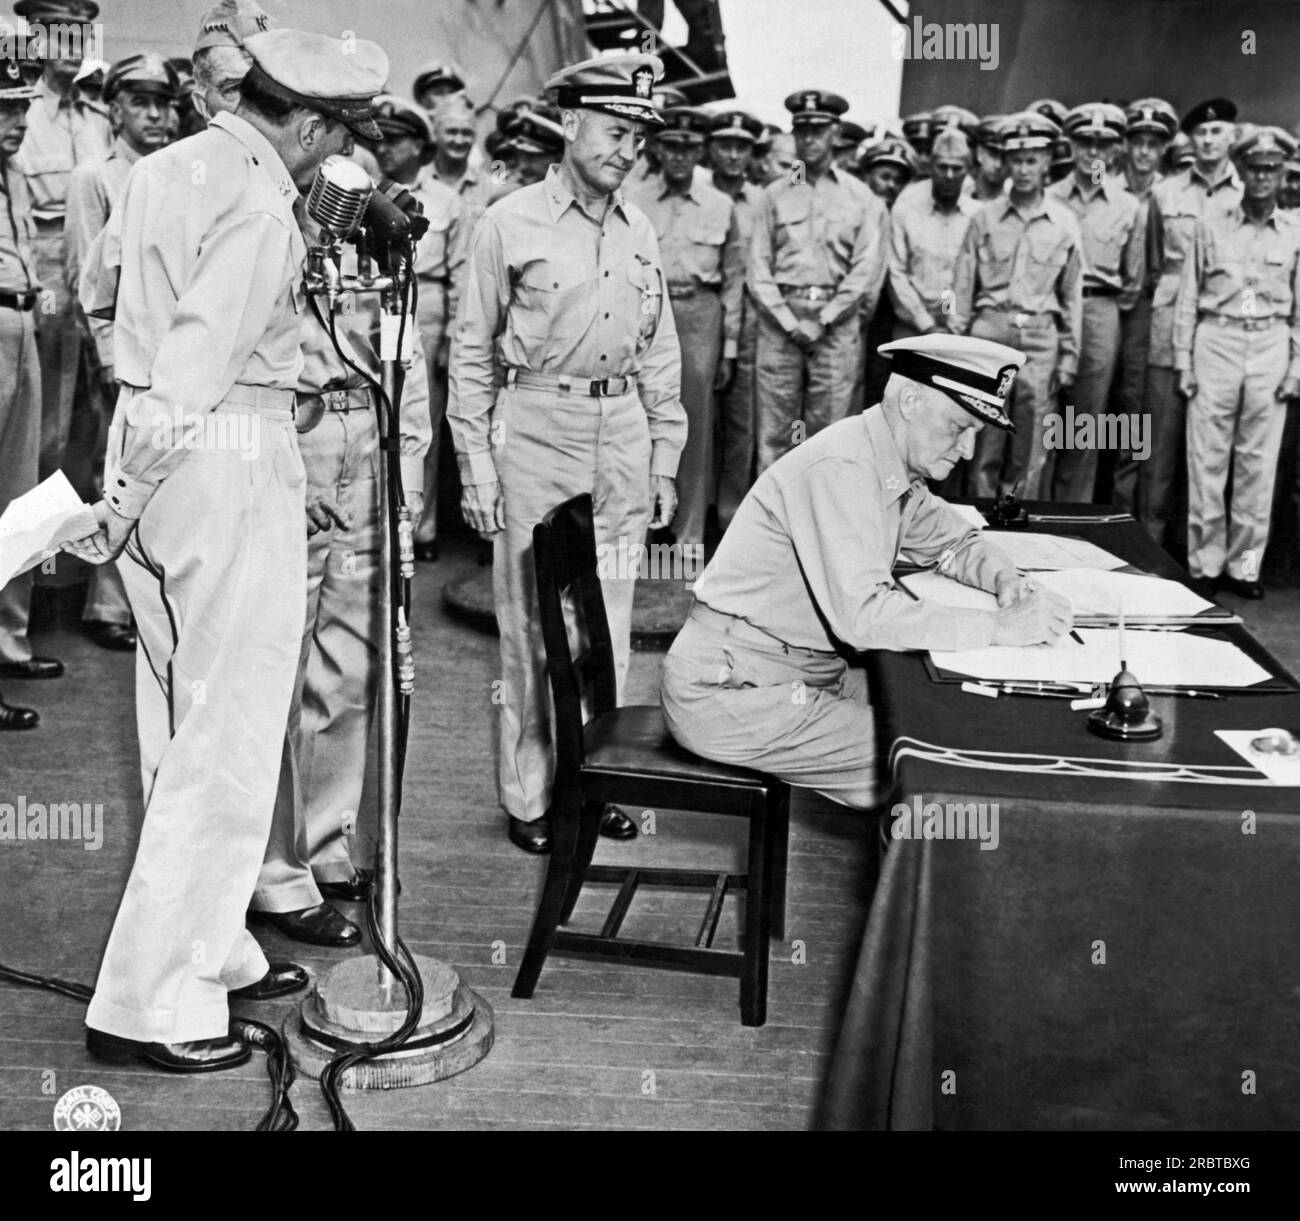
x: 342, y: 401
x: 604, y: 387
x: 1020, y: 318
x: 808, y: 292
x: 20, y: 301
x: 1244, y: 324
x: 1100, y: 290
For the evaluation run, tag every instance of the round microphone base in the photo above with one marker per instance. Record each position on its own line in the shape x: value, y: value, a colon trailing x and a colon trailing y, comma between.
x: 1106, y: 723
x: 348, y: 1006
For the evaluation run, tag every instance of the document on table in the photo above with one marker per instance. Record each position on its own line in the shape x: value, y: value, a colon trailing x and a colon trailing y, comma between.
x: 1093, y: 594
x: 36, y: 523
x: 1159, y: 659
x: 1280, y: 769
x: 1030, y: 550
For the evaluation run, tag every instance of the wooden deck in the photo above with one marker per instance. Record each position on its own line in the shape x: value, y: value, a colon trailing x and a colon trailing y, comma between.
x: 599, y: 1046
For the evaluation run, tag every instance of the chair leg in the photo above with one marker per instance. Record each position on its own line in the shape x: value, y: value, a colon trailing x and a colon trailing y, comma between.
x: 758, y: 912
x: 564, y: 828
x: 779, y: 829
x: 588, y: 835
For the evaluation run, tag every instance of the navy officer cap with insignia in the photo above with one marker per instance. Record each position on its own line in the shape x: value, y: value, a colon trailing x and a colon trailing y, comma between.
x: 815, y: 106
x: 683, y: 125
x: 1216, y: 110
x: 536, y: 133
x: 1030, y: 129
x: 977, y: 374
x: 735, y: 125
x: 893, y: 150
x: 231, y: 23
x: 1153, y: 115
x: 396, y: 117
x: 1095, y: 120
x: 618, y: 85
x: 326, y: 75
x: 14, y: 84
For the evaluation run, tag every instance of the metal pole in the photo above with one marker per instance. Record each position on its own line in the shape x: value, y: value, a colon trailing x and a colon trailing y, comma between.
x: 386, y: 842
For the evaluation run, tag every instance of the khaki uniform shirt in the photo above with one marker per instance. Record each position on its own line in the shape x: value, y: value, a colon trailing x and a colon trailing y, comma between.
x: 440, y: 254
x: 924, y: 241
x: 1175, y: 207
x: 62, y: 133
x: 832, y: 234
x: 554, y: 290
x: 809, y: 554
x: 205, y: 270
x: 1243, y: 270
x: 1019, y: 263
x: 93, y: 190
x: 700, y: 244
x: 17, y: 262
x: 1112, y: 249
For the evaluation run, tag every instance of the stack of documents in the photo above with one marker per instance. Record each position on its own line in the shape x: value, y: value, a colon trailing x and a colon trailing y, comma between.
x: 1159, y: 659
x: 1096, y: 596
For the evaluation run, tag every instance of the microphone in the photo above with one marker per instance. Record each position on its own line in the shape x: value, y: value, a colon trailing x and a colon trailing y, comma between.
x: 339, y: 196
x: 395, y: 214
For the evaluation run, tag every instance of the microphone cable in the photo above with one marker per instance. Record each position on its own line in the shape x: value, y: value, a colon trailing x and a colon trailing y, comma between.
x: 280, y: 1116
x: 397, y: 959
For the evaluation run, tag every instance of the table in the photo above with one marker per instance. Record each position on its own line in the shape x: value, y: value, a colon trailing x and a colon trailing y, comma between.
x: 1128, y: 957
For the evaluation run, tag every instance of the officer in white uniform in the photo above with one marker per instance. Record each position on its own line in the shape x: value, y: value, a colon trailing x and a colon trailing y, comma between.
x: 205, y: 489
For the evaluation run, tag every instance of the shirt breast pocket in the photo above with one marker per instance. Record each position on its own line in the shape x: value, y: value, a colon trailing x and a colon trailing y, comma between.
x: 707, y: 241
x: 1047, y: 256
x: 793, y: 213
x: 996, y: 255
x: 1107, y: 244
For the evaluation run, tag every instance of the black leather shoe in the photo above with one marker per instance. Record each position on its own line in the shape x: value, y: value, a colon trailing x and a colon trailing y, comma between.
x: 427, y: 552
x: 118, y: 637
x: 280, y: 979
x: 531, y: 836
x: 202, y: 1056
x: 355, y: 890
x: 33, y: 667
x: 18, y: 718
x: 319, y: 925
x: 1252, y: 590
x: 614, y: 824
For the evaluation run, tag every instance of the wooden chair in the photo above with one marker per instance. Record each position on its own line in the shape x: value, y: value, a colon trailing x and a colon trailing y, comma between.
x: 626, y: 756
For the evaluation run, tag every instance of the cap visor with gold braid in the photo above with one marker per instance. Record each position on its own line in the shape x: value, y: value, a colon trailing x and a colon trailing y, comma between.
x: 977, y: 374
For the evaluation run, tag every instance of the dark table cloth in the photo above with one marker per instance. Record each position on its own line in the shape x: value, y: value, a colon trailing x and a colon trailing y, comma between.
x: 1127, y: 957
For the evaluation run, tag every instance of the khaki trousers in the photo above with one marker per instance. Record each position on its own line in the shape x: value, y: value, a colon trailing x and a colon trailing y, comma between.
x: 1002, y: 460
x: 318, y: 806
x: 1074, y: 474
x: 699, y: 326
x: 1233, y: 421
x: 799, y: 393
x: 20, y: 446
x: 736, y: 465
x: 799, y: 715
x: 550, y: 446
x: 216, y: 573
x: 59, y: 340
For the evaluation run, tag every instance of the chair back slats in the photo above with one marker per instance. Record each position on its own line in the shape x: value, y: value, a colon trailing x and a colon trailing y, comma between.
x: 579, y: 655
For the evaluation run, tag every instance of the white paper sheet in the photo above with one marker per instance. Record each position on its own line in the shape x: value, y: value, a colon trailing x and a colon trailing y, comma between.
x: 34, y: 525
x: 1089, y: 591
x: 1030, y: 550
x: 1280, y: 769
x: 1159, y: 659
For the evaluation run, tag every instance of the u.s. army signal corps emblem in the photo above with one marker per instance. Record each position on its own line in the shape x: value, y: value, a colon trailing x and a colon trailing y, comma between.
x: 87, y: 1108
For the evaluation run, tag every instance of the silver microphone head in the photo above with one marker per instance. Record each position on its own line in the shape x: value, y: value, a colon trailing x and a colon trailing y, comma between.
x: 339, y: 195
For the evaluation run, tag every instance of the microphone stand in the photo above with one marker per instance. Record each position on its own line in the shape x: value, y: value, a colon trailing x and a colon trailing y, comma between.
x: 358, y: 1027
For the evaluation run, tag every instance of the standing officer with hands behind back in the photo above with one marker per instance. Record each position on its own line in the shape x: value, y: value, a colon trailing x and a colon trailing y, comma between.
x: 565, y: 304
x: 205, y: 270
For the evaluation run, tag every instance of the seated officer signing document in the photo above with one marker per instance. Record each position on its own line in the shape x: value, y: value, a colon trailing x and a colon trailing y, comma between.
x: 756, y: 675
